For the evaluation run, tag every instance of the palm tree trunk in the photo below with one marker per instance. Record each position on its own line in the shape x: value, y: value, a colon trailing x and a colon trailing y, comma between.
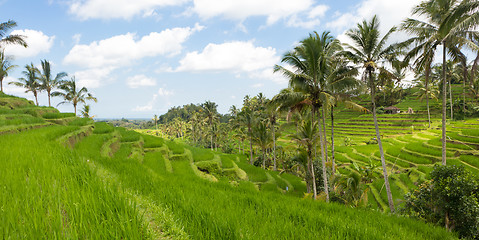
x: 75, y: 107
x: 450, y: 99
x: 264, y: 159
x: 49, y: 104
x: 274, y: 150
x: 323, y: 162
x: 464, y: 90
x: 315, y: 191
x: 332, y: 141
x: 36, y: 98
x: 444, y: 104
x: 381, y: 151
x: 323, y: 116
x: 250, y: 146
x: 428, y: 69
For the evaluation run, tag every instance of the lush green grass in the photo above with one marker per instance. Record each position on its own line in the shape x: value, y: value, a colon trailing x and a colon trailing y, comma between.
x: 128, y: 135
x: 56, y: 115
x: 102, y: 127
x: 50, y: 192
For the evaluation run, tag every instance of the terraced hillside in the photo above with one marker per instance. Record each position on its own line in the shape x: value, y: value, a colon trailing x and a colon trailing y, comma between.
x: 411, y: 149
x: 73, y: 178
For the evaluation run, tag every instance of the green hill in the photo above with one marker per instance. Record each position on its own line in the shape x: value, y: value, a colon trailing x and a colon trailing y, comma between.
x: 67, y: 177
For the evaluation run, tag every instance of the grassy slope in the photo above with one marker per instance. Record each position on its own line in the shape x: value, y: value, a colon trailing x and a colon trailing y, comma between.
x: 51, y: 191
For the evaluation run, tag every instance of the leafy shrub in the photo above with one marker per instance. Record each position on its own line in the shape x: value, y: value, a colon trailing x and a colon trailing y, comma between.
x: 209, y: 166
x: 450, y: 198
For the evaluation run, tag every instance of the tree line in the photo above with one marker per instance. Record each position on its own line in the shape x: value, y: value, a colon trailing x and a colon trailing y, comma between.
x: 323, y: 72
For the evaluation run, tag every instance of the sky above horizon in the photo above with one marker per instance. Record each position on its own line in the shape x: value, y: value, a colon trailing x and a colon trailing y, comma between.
x: 142, y: 57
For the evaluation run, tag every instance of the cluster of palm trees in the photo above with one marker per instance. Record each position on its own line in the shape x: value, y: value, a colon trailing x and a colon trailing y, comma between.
x: 322, y: 71
x: 36, y: 80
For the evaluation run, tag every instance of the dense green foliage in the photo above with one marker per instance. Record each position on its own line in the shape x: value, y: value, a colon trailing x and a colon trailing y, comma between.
x: 450, y: 198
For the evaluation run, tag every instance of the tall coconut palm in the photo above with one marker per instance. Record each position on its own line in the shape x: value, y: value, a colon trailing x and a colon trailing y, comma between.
x: 311, y: 60
x: 71, y: 93
x: 247, y: 117
x: 449, y: 23
x: 263, y: 138
x: 6, y: 66
x: 30, y: 81
x: 5, y: 38
x: 368, y: 51
x: 47, y: 82
x: 273, y: 113
x: 210, y: 113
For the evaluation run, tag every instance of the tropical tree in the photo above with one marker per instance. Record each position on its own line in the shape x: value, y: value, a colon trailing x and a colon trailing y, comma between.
x: 210, y: 113
x: 368, y: 51
x: 71, y: 93
x: 311, y: 62
x: 47, y: 82
x: 449, y: 23
x: 30, y: 81
x: 5, y: 67
x: 85, y: 112
x: 262, y: 138
x: 306, y: 136
x: 5, y: 38
x: 155, y: 119
x: 247, y: 118
x: 272, y: 112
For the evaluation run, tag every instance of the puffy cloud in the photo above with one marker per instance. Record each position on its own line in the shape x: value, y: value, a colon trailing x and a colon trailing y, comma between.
x: 318, y: 11
x: 140, y: 81
x: 93, y: 77
x: 126, y: 9
x: 121, y: 50
x: 162, y: 92
x: 100, y: 58
x: 235, y: 57
x: 37, y: 42
x: 240, y: 10
x: 390, y: 13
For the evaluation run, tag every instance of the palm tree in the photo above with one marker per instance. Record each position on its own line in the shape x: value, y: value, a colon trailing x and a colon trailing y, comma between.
x: 210, y: 113
x: 262, y: 138
x: 85, y: 112
x: 47, y: 82
x: 155, y: 119
x: 307, y: 136
x: 247, y: 118
x: 311, y: 61
x: 448, y: 23
x: 273, y: 113
x: 5, y: 67
x: 71, y: 93
x: 5, y: 27
x: 369, y: 50
x: 30, y: 81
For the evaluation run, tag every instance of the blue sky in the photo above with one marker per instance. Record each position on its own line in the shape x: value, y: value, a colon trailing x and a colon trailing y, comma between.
x: 141, y: 57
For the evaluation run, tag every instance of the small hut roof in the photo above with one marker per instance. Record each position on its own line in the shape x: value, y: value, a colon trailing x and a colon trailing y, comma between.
x: 391, y: 108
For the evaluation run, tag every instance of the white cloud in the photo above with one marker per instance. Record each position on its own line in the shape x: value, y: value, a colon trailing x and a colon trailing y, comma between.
x: 164, y: 93
x: 100, y: 58
x: 240, y: 10
x: 140, y: 81
x: 295, y: 21
x: 236, y: 57
x: 126, y: 9
x: 37, y: 42
x: 318, y: 11
x: 93, y: 77
x: 390, y: 13
x: 121, y: 50
x: 76, y: 38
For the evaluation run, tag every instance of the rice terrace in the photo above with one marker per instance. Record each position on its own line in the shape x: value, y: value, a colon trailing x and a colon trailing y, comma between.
x: 239, y: 120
